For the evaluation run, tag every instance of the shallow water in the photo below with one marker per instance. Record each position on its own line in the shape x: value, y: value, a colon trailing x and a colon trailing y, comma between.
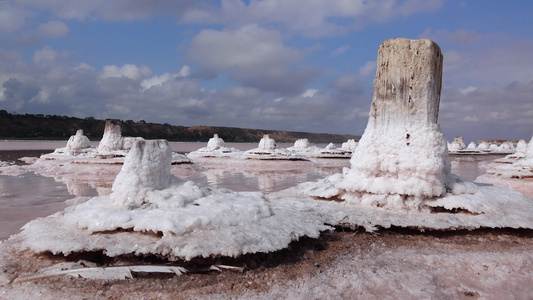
x: 28, y: 196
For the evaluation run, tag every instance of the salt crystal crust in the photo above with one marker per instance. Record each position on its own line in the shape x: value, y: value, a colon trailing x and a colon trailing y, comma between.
x: 402, y: 151
x: 400, y: 172
x: 152, y: 212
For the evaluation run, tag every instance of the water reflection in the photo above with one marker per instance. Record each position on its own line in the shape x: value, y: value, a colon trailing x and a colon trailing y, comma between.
x: 23, y: 198
x: 26, y: 197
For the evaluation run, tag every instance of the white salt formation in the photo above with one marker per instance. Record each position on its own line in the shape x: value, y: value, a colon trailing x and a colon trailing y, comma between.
x: 77, y: 146
x: 401, y: 159
x: 112, y: 138
x: 514, y: 172
x: 521, y: 148
x: 303, y: 147
x: 301, y: 144
x: 78, y: 141
x: 483, y: 146
x: 400, y: 171
x: 349, y: 145
x: 331, y: 151
x: 267, y: 150
x: 515, y: 167
x: 457, y: 144
x: 113, y: 147
x: 267, y: 143
x: 152, y: 212
x: 215, y: 142
x: 216, y: 147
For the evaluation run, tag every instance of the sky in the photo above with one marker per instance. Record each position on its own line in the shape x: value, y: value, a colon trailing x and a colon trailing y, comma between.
x: 297, y: 65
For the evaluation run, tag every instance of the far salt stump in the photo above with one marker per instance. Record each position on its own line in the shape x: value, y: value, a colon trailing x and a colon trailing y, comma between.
x: 400, y: 172
x: 78, y: 141
x: 146, y: 169
x: 402, y: 153
x: 112, y: 139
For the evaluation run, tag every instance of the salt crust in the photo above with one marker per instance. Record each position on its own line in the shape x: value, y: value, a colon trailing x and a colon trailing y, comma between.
x: 514, y: 171
x: 267, y: 150
x: 302, y: 147
x: 486, y: 266
x: 485, y: 206
x: 400, y: 172
x: 517, y: 166
x: 152, y: 212
x: 215, y: 148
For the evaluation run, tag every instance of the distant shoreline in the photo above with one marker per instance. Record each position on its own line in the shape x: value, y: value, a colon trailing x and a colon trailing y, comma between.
x: 53, y: 127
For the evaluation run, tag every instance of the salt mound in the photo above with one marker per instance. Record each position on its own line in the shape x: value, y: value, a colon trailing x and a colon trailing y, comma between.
x: 331, y: 151
x: 267, y: 150
x: 304, y: 148
x: 111, y: 150
x: 78, y: 141
x: 216, y: 147
x: 513, y: 171
x: 457, y: 144
x: 112, y: 138
x: 152, y: 212
x: 521, y: 149
x: 400, y: 172
x: 77, y: 146
x: 349, y: 145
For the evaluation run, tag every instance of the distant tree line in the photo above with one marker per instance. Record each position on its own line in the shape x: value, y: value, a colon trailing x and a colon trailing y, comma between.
x: 54, y: 127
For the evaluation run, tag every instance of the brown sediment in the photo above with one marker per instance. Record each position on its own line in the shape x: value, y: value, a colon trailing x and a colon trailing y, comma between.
x: 303, y: 259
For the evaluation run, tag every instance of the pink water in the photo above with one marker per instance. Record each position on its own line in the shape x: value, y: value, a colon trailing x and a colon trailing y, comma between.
x: 28, y: 196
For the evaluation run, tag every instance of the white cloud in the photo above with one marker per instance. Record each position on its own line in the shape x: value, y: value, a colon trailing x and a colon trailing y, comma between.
x: 253, y: 56
x: 461, y: 36
x: 125, y: 10
x: 309, y: 93
x: 240, y: 92
x: 47, y: 55
x: 314, y: 18
x: 368, y: 69
x: 349, y: 85
x: 470, y: 118
x: 247, y: 47
x: 493, y: 112
x: 53, y: 29
x: 11, y: 18
x: 468, y: 90
x: 160, y: 80
x: 128, y: 70
x: 340, y: 50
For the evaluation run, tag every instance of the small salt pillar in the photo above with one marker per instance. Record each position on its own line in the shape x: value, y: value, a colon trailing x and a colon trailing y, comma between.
x: 266, y: 143
x: 301, y: 144
x: 349, y: 145
x: 529, y: 150
x: 460, y: 141
x: 146, y: 168
x: 330, y: 146
x: 78, y: 141
x: 112, y: 139
x: 215, y: 143
x: 402, y: 151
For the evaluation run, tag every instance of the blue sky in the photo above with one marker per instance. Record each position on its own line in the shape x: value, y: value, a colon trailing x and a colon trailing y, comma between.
x: 302, y: 65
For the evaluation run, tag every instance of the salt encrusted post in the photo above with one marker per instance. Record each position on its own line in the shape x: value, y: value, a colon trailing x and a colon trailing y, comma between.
x: 112, y: 139
x: 402, y: 154
x: 146, y: 168
x: 267, y: 143
x: 78, y: 141
x: 215, y: 143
